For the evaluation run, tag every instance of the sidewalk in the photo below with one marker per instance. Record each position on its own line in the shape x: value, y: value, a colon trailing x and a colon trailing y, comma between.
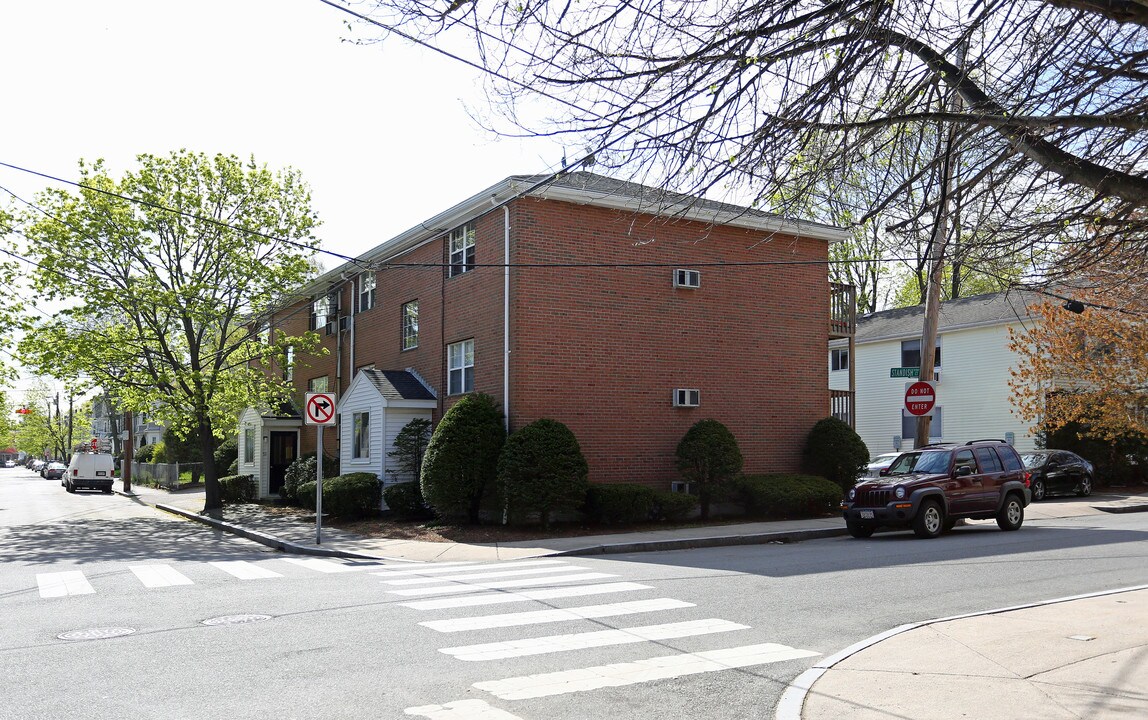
x: 1070, y: 658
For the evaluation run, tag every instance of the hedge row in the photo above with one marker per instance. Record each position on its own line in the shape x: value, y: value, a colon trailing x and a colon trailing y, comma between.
x: 786, y: 495
x: 351, y: 495
x: 238, y: 489
x: 624, y: 503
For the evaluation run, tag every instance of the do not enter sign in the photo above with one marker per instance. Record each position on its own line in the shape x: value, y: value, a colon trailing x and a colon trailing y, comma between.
x: 920, y: 398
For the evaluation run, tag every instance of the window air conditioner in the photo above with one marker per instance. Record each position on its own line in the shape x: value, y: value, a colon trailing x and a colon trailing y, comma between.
x: 687, y: 278
x: 686, y: 397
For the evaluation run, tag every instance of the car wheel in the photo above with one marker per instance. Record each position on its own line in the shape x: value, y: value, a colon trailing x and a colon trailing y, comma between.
x: 930, y: 520
x: 859, y: 530
x: 1085, y: 487
x: 1011, y: 514
x: 1038, y: 490
x: 950, y: 523
x: 70, y: 487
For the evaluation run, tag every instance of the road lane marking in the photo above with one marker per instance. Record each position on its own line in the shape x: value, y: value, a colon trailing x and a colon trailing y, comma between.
x: 498, y: 584
x: 323, y: 566
x: 483, y: 575
x: 538, y: 617
x: 584, y: 641
x: 631, y: 673
x: 60, y: 584
x: 461, y: 710
x: 244, y: 570
x: 500, y: 598
x: 445, y: 568
x: 154, y: 576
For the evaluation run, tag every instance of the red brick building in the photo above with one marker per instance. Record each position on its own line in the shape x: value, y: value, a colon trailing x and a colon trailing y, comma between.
x: 623, y: 312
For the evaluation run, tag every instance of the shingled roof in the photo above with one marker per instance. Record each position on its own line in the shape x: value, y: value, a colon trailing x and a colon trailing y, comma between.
x: 976, y: 311
x: 398, y: 384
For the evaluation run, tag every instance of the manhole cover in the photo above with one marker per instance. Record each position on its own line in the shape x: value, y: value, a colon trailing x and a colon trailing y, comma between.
x: 235, y: 619
x: 96, y: 633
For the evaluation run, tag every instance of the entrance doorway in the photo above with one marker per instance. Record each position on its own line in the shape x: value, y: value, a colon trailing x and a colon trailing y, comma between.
x: 284, y: 447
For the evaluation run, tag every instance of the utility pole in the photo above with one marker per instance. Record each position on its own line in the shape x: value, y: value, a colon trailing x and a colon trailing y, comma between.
x: 129, y: 453
x: 938, y: 244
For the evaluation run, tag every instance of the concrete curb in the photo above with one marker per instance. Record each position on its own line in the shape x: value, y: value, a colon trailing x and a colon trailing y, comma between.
x: 792, y: 702
x: 270, y: 540
x: 702, y: 542
x: 1121, y: 508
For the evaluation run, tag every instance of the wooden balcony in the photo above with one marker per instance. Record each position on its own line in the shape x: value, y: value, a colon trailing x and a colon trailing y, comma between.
x: 842, y: 311
x: 841, y: 406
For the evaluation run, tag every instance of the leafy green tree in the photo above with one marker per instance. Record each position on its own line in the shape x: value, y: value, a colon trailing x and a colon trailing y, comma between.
x: 542, y: 469
x: 461, y: 461
x: 164, y: 271
x: 708, y: 456
x: 835, y: 451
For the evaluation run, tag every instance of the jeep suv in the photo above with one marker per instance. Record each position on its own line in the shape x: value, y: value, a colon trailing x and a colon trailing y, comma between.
x: 930, y: 488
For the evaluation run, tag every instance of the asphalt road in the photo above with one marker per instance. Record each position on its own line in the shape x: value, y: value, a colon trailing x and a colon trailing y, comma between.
x: 214, y: 627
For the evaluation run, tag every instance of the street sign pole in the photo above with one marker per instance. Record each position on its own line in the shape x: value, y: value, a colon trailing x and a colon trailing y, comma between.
x: 319, y: 485
x: 319, y: 410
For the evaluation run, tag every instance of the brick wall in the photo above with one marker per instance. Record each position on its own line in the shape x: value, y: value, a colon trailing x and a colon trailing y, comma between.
x: 602, y: 348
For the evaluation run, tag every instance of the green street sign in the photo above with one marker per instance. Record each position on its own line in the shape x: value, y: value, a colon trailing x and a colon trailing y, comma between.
x: 904, y: 372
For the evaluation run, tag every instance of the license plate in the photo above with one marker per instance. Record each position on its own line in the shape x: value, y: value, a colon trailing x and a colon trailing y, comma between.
x: 866, y: 514
x: 101, y: 473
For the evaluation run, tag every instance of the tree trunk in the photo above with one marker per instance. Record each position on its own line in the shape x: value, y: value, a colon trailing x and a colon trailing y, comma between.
x: 213, y: 499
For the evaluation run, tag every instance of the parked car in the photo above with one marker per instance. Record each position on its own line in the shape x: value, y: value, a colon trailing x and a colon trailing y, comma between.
x: 9, y: 463
x: 37, y: 465
x: 1058, y: 471
x: 879, y: 463
x: 929, y: 489
x: 54, y: 470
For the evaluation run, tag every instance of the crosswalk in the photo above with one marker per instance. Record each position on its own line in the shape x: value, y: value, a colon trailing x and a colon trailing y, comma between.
x: 577, y: 608
x: 505, y: 584
x: 59, y: 584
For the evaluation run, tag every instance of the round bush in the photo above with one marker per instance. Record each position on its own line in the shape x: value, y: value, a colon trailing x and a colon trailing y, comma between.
x: 349, y: 496
x: 541, y: 469
x: 305, y: 468
x: 406, y: 501
x: 708, y: 456
x: 835, y: 451
x: 461, y: 460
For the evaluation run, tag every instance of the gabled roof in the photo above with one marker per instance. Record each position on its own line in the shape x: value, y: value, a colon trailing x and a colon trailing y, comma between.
x: 398, y: 384
x: 977, y: 311
x: 582, y: 188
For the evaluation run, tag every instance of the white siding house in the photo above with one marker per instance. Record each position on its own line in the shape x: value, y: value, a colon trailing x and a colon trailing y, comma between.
x: 268, y: 444
x: 973, y: 397
x: 374, y: 409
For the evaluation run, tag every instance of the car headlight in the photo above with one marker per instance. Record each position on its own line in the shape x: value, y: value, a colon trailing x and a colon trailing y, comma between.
x: 899, y: 493
x: 852, y: 493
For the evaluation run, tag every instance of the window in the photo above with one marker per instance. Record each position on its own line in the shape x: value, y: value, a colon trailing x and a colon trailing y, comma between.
x: 988, y: 460
x: 461, y: 250
x: 366, y: 291
x: 911, y: 354
x: 318, y: 384
x: 289, y: 364
x: 361, y: 445
x: 411, y: 325
x: 839, y: 359
x: 460, y: 364
x: 964, y: 458
x: 320, y: 312
x: 909, y: 425
x: 248, y: 445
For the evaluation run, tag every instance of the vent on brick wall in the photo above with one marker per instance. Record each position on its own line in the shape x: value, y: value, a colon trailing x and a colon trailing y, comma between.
x: 686, y: 397
x: 687, y: 278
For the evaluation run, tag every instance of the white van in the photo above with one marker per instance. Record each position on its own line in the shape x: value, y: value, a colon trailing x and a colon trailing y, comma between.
x: 94, y: 471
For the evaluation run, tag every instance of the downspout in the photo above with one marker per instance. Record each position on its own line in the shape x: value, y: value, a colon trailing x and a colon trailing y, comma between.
x: 506, y: 317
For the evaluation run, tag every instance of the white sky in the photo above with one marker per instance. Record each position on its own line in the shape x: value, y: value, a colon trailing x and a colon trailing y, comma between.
x: 380, y: 132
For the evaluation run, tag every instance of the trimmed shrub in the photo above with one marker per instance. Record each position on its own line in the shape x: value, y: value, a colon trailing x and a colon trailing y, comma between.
x: 147, y: 453
x: 619, y: 503
x: 788, y: 495
x: 541, y: 469
x: 708, y: 456
x: 461, y: 461
x: 233, y: 468
x: 349, y: 496
x: 674, y: 506
x: 835, y: 451
x: 302, y: 470
x: 237, y: 489
x: 406, y: 501
x: 410, y: 446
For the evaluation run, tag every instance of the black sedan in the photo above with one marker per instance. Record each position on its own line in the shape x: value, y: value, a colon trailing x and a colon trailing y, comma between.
x: 1057, y: 471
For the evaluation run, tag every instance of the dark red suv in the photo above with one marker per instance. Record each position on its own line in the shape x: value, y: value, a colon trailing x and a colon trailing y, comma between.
x: 930, y: 488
